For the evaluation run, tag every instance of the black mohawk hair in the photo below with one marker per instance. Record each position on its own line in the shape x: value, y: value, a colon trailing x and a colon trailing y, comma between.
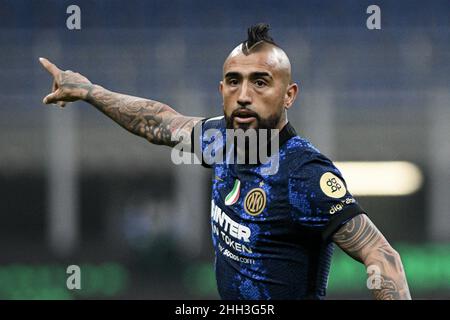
x: 256, y: 34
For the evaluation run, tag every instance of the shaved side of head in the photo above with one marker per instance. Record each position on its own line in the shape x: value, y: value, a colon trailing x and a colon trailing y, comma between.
x: 276, y: 57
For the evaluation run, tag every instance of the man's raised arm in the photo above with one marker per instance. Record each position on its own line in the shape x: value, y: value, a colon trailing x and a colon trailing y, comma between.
x: 152, y: 120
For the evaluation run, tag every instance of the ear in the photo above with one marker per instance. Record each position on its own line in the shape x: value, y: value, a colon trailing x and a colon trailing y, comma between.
x: 291, y: 94
x: 221, y: 87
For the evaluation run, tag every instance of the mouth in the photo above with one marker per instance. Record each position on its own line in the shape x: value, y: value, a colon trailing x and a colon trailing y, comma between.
x: 244, y: 116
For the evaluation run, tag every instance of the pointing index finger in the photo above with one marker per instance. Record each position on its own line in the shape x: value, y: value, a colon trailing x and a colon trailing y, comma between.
x: 54, y: 70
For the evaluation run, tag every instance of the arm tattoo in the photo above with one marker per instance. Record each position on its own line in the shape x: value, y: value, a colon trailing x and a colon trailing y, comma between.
x: 361, y: 239
x: 152, y: 120
x: 357, y: 235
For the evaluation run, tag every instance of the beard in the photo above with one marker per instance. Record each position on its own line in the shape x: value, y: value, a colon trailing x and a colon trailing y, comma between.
x: 270, y: 122
x: 262, y: 124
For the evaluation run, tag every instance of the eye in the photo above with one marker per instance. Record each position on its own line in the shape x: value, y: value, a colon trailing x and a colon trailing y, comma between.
x: 260, y: 83
x: 233, y: 82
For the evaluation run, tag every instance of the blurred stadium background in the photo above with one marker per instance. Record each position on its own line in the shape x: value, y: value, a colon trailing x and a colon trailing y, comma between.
x: 77, y: 189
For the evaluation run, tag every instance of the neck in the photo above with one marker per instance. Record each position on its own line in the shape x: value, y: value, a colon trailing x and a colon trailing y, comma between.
x: 283, y: 121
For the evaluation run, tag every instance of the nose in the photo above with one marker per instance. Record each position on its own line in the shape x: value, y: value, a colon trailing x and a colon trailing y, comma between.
x: 244, y: 98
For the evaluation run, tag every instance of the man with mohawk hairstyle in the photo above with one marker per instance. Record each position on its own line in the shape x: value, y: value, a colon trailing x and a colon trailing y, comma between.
x: 273, y: 234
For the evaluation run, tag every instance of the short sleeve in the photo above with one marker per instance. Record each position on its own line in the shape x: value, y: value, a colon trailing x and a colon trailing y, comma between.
x: 319, y: 197
x: 207, y: 134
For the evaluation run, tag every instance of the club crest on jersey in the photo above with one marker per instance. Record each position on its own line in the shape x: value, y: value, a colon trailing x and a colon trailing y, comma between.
x: 255, y: 201
x: 233, y: 196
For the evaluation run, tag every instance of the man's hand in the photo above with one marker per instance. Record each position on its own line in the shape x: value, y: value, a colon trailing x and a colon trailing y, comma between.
x: 67, y: 86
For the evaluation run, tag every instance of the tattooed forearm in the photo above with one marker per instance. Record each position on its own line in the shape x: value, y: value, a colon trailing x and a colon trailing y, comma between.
x: 152, y: 120
x: 364, y: 242
x: 390, y: 283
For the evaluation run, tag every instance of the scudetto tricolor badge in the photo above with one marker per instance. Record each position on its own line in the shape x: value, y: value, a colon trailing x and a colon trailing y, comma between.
x: 233, y: 196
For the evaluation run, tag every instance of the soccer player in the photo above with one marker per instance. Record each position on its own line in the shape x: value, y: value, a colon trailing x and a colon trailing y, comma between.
x: 273, y: 234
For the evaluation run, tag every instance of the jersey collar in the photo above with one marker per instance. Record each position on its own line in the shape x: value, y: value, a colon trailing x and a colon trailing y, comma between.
x: 286, y: 133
